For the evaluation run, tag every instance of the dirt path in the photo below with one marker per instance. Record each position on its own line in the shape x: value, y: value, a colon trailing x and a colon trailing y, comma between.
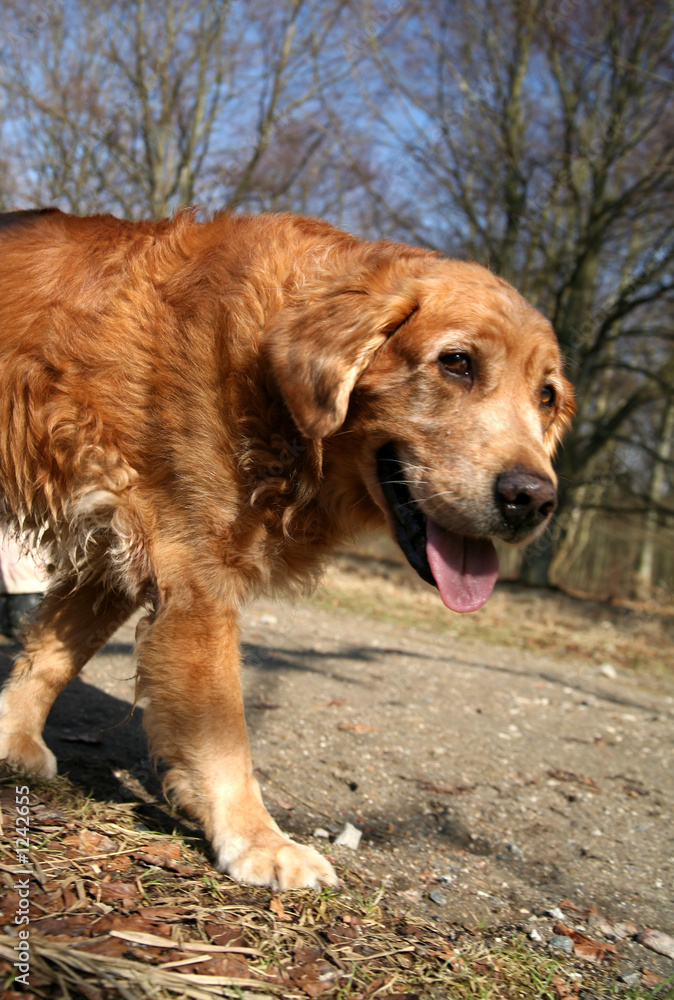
x: 504, y: 780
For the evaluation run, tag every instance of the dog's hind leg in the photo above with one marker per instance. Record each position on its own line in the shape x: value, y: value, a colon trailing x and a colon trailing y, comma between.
x: 69, y: 627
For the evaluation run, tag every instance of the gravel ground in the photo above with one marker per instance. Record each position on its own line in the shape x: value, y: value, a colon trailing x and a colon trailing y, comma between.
x: 502, y: 781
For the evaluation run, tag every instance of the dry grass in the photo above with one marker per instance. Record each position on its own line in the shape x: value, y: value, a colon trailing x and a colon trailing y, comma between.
x: 120, y: 910
x: 638, y: 638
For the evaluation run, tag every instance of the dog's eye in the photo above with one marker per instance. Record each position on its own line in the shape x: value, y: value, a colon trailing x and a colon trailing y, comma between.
x: 456, y: 363
x: 548, y: 395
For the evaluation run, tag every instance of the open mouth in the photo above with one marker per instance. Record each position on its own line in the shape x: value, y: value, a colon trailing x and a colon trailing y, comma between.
x: 463, y: 568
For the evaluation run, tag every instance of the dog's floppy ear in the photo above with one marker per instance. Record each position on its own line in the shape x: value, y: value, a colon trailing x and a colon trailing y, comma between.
x: 320, y: 344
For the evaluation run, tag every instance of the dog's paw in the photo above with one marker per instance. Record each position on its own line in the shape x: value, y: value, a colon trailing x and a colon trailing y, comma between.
x: 28, y: 754
x: 279, y: 863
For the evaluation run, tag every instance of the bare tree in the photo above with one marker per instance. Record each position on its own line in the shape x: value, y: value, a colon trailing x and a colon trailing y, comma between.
x: 141, y: 106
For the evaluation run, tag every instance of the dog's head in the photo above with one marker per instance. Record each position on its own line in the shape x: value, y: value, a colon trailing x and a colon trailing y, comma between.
x: 440, y: 389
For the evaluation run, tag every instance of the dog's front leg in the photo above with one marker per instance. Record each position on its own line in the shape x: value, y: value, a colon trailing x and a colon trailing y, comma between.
x: 189, y: 670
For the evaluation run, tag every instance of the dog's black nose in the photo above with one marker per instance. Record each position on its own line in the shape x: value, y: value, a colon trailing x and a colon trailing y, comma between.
x: 525, y: 497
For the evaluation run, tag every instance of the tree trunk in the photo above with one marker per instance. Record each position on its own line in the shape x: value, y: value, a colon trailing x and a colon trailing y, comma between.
x: 644, y: 583
x: 535, y: 571
x: 538, y: 557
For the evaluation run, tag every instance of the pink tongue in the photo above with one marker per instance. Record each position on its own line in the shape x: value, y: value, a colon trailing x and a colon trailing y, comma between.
x: 465, y: 569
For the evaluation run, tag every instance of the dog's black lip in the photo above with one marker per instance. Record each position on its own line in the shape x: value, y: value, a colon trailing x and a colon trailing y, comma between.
x: 408, y: 520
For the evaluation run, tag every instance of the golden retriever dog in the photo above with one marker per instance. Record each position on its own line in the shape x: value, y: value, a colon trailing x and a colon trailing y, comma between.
x: 193, y: 413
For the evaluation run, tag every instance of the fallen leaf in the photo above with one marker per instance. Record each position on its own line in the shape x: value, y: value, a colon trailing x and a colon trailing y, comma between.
x: 487, y: 967
x: 235, y: 966
x: 375, y: 985
x: 74, y: 925
x: 96, y: 843
x: 412, y: 930
x: 125, y: 922
x: 276, y: 974
x: 109, y: 946
x: 563, y: 990
x: 124, y: 892
x: 70, y: 898
x: 446, y: 953
x: 164, y: 855
x: 9, y: 902
x: 120, y: 863
x: 343, y: 934
x: 649, y: 978
x: 599, y: 952
x: 161, y: 849
x: 304, y: 954
x: 223, y: 934
x: 278, y: 909
x: 315, y: 978
x: 44, y: 900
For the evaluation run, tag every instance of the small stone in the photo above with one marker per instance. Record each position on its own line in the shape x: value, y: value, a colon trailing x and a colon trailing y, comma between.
x: 446, y: 878
x: 267, y: 619
x: 657, y: 941
x: 601, y: 926
x: 514, y: 850
x: 630, y: 978
x: 624, y: 929
x: 535, y: 934
x: 320, y: 832
x: 437, y: 897
x: 554, y: 912
x: 349, y: 837
x: 411, y: 895
x: 560, y: 943
x: 608, y: 670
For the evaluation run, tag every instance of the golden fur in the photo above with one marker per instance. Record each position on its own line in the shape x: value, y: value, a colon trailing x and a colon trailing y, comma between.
x: 190, y: 414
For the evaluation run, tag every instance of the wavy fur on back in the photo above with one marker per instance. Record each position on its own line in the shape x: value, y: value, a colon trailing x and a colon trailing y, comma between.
x: 133, y: 350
